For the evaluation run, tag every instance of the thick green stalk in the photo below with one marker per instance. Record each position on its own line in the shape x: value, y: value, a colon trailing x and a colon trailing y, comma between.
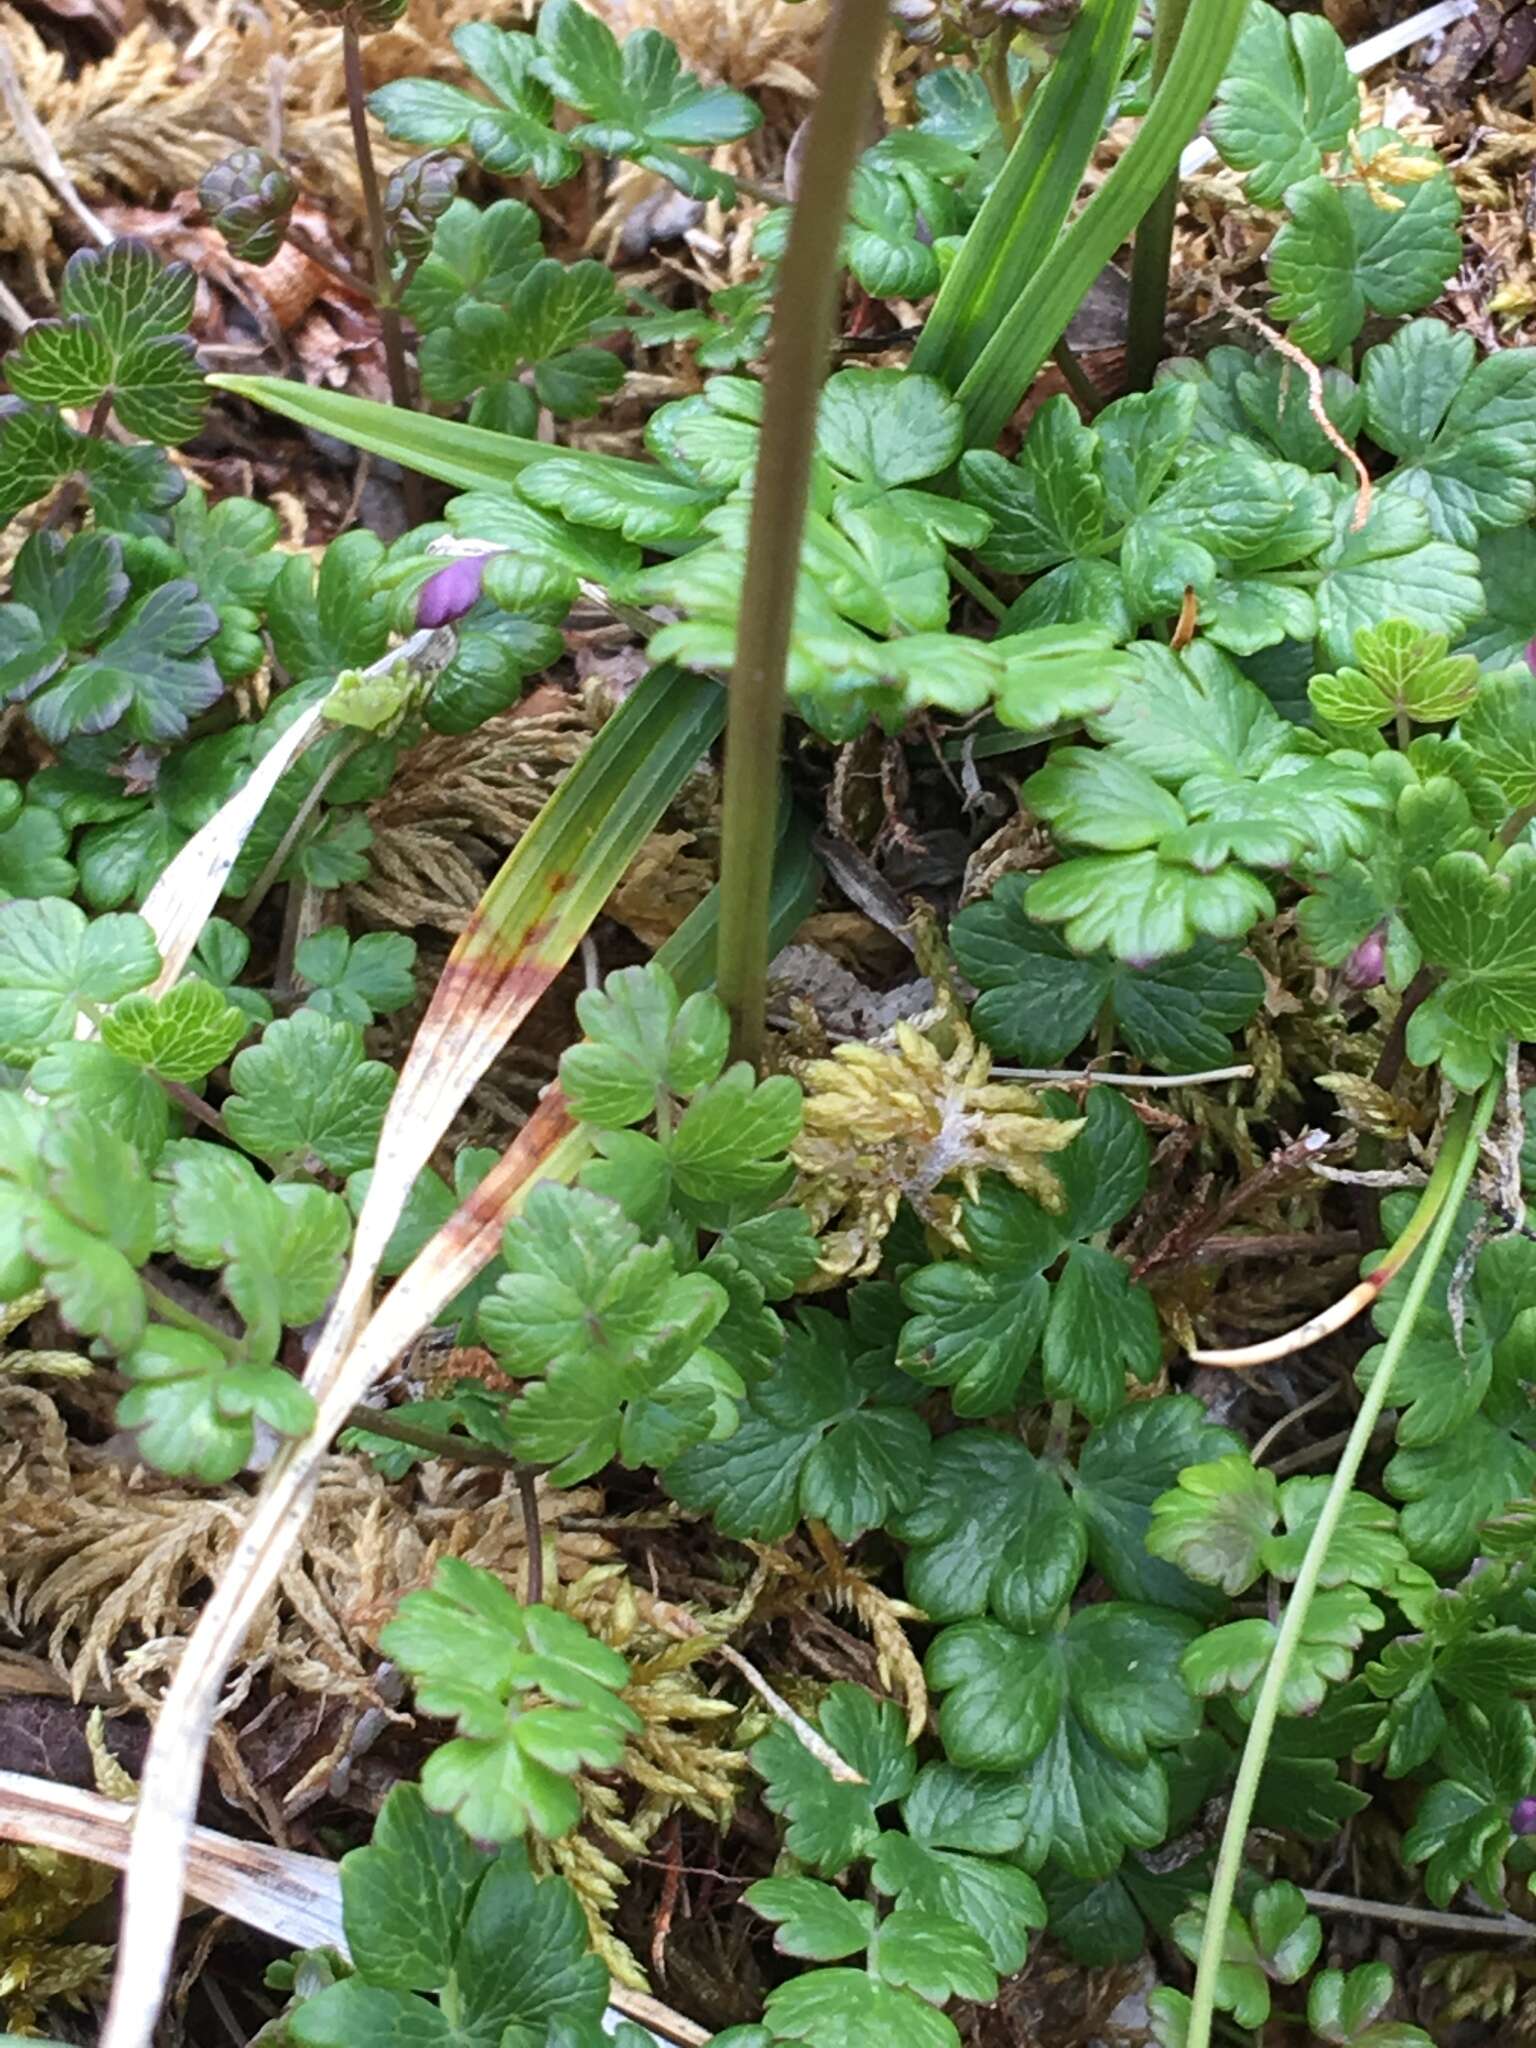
x: 1012, y: 236
x: 804, y: 308
x: 1036, y: 320
x: 1154, y: 238
x: 1436, y: 1214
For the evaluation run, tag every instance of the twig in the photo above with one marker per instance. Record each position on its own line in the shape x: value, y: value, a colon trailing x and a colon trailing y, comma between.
x: 1316, y: 403
x: 39, y: 146
x: 378, y: 244
x: 1277, y: 1429
x: 13, y: 312
x: 1084, y: 1077
x: 679, y: 1622
x: 1509, y: 1925
x: 533, y: 1532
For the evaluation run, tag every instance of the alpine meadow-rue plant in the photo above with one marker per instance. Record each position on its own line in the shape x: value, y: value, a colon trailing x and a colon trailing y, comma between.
x: 1249, y: 641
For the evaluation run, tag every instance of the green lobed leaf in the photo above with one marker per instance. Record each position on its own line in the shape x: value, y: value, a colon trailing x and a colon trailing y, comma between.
x: 306, y: 1093
x: 1287, y: 100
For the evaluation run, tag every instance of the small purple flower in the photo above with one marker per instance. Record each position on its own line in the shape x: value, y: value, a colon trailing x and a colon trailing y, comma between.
x: 1366, y: 967
x: 1522, y: 1819
x: 1530, y: 655
x: 452, y: 592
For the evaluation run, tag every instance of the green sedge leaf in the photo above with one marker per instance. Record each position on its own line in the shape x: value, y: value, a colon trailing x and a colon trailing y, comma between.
x: 1287, y: 100
x: 120, y: 332
x: 307, y: 1093
x: 192, y: 1411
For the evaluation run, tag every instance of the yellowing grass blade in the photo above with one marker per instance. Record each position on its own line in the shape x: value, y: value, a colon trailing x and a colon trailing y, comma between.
x: 522, y: 933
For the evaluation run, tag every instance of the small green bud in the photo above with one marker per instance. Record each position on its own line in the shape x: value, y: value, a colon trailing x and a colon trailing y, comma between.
x: 249, y: 197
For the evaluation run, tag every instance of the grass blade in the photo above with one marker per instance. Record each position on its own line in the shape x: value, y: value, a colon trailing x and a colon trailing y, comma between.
x: 1017, y: 227
x: 470, y: 458
x: 524, y: 930
x: 1036, y: 320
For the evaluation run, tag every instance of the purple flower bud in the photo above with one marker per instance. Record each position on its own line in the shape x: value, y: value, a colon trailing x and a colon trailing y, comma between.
x: 451, y: 592
x: 1366, y: 967
x: 1522, y: 1819
x: 1530, y: 655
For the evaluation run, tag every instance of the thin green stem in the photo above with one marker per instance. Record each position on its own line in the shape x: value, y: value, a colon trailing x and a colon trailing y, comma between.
x: 170, y: 1310
x: 804, y: 308
x: 381, y: 274
x: 437, y: 1443
x: 972, y: 584
x: 1153, y: 246
x: 1437, y: 1206
x: 995, y: 71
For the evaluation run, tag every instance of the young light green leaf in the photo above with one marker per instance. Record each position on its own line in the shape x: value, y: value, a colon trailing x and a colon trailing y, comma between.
x: 1234, y: 1658
x: 1346, y: 2011
x: 643, y: 1044
x: 1479, y: 928
x: 512, y: 134
x: 477, y: 1657
x: 1402, y: 670
x: 180, y: 1036
x: 1214, y: 1523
